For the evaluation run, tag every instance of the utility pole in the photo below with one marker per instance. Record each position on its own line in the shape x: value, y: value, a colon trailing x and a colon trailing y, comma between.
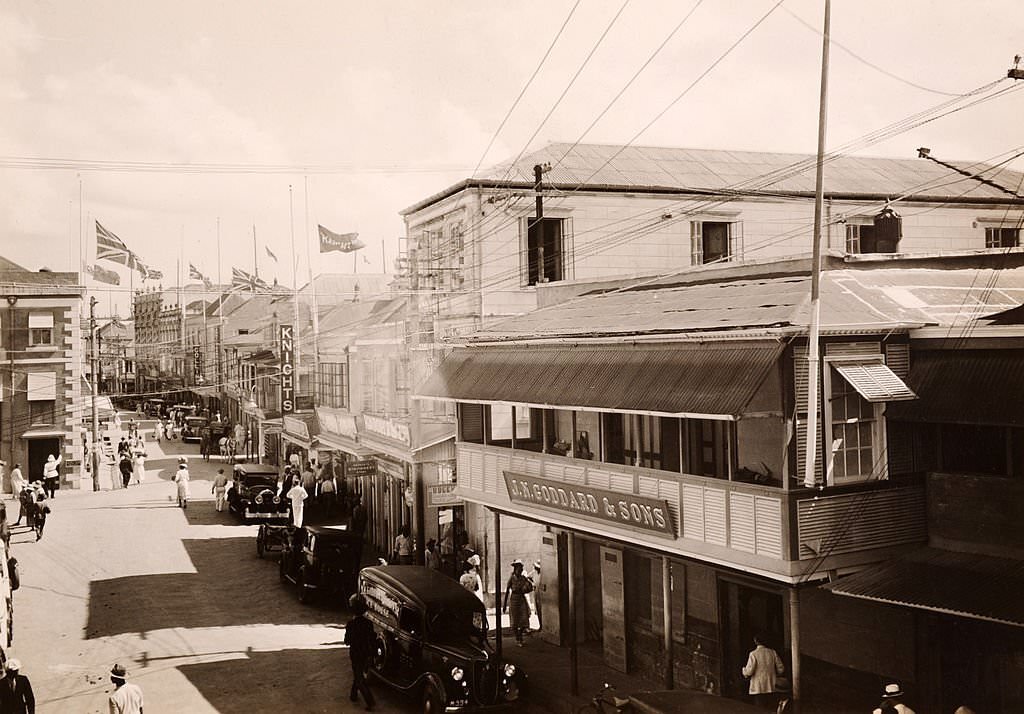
x: 94, y: 454
x: 538, y: 185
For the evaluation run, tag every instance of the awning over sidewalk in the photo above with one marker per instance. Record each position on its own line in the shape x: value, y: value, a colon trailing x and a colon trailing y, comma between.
x: 942, y: 379
x: 981, y: 587
x: 709, y: 379
x: 44, y: 431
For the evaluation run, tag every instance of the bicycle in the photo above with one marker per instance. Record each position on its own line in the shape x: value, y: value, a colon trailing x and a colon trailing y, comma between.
x: 605, y: 701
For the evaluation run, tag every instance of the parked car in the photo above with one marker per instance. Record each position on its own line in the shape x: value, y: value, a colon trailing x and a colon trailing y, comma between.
x: 432, y: 641
x: 193, y: 426
x: 253, y: 494
x: 153, y: 407
x: 322, y: 560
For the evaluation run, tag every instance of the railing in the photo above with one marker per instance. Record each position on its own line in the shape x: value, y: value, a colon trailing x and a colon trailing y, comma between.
x: 763, y: 522
x: 740, y: 516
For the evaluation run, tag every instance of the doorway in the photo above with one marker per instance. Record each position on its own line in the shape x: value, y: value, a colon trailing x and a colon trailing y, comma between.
x: 745, y: 612
x: 38, y: 450
x: 593, y: 600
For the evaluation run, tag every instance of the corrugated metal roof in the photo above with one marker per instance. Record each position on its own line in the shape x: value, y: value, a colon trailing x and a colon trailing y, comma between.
x: 982, y: 587
x: 704, y: 379
x: 874, y: 381
x: 946, y: 380
x: 884, y: 297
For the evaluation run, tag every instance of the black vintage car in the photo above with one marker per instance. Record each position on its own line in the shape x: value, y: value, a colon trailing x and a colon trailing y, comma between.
x: 193, y: 426
x: 322, y: 560
x: 432, y: 641
x: 253, y: 494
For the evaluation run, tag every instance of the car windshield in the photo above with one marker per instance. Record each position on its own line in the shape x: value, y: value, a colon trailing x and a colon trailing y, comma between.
x: 447, y: 623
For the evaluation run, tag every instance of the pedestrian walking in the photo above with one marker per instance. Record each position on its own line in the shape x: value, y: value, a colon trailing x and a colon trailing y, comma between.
x: 298, y: 496
x: 515, y: 604
x: 784, y: 696
x: 432, y: 558
x: 125, y: 466
x: 17, y: 486
x: 328, y: 497
x: 16, y: 696
x: 357, y: 525
x: 127, y: 697
x: 361, y: 640
x: 158, y: 431
x: 181, y: 479
x: 51, y: 474
x: 538, y: 584
x: 220, y: 488
x: 762, y: 668
x: 471, y: 579
x: 892, y: 701
x: 403, y: 547
x: 204, y: 443
x: 139, y: 466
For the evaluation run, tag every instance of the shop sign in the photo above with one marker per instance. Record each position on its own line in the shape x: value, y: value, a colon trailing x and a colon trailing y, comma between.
x: 197, y: 364
x: 361, y: 468
x: 296, y: 427
x: 622, y: 509
x: 388, y: 428
x: 335, y: 423
x: 442, y: 495
x: 287, y: 368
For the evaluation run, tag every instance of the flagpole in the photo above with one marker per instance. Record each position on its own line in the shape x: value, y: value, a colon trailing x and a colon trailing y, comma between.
x: 255, y: 260
x: 295, y: 293
x: 313, y: 301
x: 181, y: 293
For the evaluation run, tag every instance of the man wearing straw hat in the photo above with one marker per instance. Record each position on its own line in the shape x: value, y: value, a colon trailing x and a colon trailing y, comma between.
x: 127, y: 698
x: 892, y: 700
x: 16, y: 691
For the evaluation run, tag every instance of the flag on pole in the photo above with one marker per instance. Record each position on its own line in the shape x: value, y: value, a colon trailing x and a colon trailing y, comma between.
x: 269, y: 253
x: 102, y: 275
x: 342, y: 242
x: 241, y: 280
x: 195, y: 274
x: 110, y: 247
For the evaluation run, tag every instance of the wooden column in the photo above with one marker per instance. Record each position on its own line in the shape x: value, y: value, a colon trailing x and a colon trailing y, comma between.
x: 574, y: 654
x: 666, y: 599
x: 794, y: 641
x: 497, y: 579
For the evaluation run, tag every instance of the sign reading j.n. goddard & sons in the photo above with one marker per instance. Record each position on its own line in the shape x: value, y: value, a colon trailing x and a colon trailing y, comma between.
x: 622, y: 509
x: 287, y: 369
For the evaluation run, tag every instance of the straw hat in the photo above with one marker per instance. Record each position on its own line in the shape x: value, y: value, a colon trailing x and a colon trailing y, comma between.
x: 892, y: 691
x: 118, y: 672
x: 13, y: 664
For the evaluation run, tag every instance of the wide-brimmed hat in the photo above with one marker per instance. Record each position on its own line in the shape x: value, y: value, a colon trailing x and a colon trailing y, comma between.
x: 782, y: 685
x: 473, y: 559
x: 118, y: 672
x: 516, y: 562
x: 13, y: 664
x: 892, y: 691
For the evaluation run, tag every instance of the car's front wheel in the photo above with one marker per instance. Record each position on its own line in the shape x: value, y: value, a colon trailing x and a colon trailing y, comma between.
x: 432, y: 700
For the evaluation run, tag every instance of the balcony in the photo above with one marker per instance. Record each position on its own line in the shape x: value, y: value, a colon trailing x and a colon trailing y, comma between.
x: 785, y: 535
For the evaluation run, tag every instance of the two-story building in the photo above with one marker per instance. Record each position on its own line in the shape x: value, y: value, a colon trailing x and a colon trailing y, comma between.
x: 644, y: 440
x: 42, y: 409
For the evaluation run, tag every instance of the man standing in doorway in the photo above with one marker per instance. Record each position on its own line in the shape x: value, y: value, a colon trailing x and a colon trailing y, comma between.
x: 763, y: 667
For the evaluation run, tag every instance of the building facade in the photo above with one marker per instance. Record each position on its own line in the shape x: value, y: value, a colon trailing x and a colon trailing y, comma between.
x: 43, y: 408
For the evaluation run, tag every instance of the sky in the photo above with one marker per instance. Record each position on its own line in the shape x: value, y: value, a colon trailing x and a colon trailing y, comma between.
x: 364, y: 108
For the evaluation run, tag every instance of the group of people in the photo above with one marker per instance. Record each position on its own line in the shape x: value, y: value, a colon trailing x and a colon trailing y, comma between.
x: 30, y: 496
x: 520, y: 599
x: 17, y: 697
x: 131, y: 455
x: 317, y: 487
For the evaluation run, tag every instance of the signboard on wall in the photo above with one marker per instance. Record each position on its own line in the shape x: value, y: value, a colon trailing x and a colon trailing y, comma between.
x: 622, y: 509
x: 442, y: 495
x: 197, y: 364
x: 361, y: 468
x: 287, y: 367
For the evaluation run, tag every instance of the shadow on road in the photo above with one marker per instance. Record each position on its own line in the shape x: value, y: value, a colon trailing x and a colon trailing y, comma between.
x: 231, y: 586
x: 204, y: 513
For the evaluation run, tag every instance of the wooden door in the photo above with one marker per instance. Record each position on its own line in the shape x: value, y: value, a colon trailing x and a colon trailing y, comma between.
x: 614, y: 602
x: 549, y: 604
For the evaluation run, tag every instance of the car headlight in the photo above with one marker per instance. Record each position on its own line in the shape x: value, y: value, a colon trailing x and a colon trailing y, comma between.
x: 457, y: 674
x: 510, y: 670
x: 259, y: 500
x: 277, y: 500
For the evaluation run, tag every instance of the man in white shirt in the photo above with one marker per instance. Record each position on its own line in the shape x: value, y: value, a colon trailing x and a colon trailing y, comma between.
x: 298, y: 496
x: 763, y: 666
x: 127, y: 698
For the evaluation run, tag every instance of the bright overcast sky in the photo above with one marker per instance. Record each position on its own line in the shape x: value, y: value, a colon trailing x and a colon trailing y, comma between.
x: 402, y: 98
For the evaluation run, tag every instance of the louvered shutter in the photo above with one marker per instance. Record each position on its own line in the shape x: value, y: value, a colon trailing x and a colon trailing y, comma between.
x: 696, y: 243
x: 800, y: 390
x: 897, y: 358
x: 568, y: 250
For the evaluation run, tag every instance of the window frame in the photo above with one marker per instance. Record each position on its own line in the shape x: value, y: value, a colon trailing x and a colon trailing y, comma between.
x: 734, y: 238
x: 879, y: 465
x: 994, y: 236
x: 566, y: 247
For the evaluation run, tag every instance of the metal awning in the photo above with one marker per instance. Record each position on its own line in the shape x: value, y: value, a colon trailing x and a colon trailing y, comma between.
x: 708, y: 379
x: 945, y: 380
x: 43, y: 431
x: 874, y: 381
x: 982, y: 587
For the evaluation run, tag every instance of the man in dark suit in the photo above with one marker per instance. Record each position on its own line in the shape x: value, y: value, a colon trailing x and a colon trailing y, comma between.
x: 16, y: 691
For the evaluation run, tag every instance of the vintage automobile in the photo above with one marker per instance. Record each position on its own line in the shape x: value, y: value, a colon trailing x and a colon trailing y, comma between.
x: 432, y: 641
x: 253, y: 494
x: 193, y: 425
x: 322, y: 560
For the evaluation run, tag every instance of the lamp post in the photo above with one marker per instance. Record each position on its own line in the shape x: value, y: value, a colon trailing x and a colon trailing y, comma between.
x: 12, y: 300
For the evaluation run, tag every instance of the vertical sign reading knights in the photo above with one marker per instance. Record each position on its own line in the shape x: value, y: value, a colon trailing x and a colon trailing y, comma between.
x: 197, y: 365
x: 287, y: 370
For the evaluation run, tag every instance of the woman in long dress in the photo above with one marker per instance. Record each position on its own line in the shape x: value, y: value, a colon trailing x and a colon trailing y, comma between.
x: 139, y: 467
x: 181, y: 478
x: 515, y: 600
